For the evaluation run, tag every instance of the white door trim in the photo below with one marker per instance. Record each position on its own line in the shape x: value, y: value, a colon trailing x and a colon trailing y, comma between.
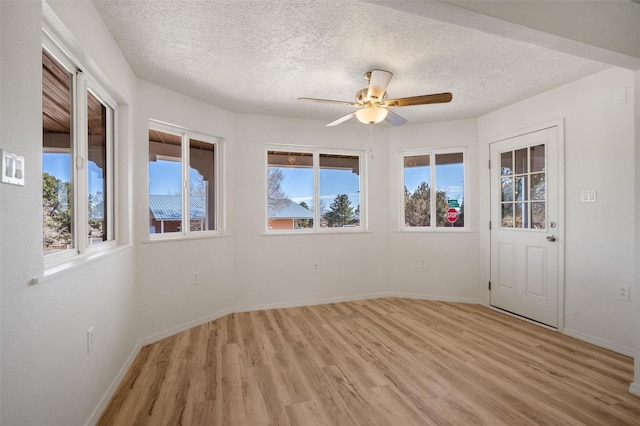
x: 559, y: 125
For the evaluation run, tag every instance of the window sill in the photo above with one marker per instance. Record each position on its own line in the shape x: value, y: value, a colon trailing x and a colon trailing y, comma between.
x: 419, y: 230
x: 75, y: 262
x: 180, y: 237
x: 323, y: 232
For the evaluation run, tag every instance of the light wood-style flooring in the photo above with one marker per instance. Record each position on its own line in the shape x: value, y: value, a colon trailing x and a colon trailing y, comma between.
x: 375, y: 362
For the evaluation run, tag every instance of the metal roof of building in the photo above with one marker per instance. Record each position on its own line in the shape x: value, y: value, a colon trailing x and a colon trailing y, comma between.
x: 287, y: 209
x: 169, y: 207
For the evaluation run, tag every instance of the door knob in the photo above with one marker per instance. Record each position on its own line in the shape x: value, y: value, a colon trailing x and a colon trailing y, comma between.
x: 551, y: 238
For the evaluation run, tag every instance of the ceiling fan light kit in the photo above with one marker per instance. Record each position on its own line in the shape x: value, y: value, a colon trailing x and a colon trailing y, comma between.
x: 371, y: 114
x: 373, y: 103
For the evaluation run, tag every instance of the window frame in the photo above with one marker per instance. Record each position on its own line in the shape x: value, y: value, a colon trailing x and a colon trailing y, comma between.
x: 83, y: 84
x: 185, y: 136
x: 316, y: 152
x: 433, y: 227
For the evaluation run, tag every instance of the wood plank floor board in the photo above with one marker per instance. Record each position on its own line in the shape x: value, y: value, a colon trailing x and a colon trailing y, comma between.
x: 383, y: 361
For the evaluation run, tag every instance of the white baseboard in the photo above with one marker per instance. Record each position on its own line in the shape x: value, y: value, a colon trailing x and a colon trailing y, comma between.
x: 635, y: 388
x: 313, y: 302
x: 436, y: 298
x: 184, y: 327
x: 599, y: 342
x: 106, y: 398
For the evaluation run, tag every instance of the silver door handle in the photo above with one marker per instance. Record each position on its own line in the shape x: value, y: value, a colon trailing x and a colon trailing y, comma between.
x: 551, y: 238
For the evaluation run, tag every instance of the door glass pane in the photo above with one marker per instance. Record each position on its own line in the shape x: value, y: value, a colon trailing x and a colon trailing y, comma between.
x: 537, y: 159
x: 97, y: 170
x: 538, y: 188
x: 165, y: 182
x: 520, y: 188
x: 340, y: 189
x: 507, y: 189
x: 201, y: 186
x: 417, y: 190
x: 507, y: 215
x: 506, y: 163
x: 521, y: 161
x: 57, y: 142
x: 521, y: 215
x: 290, y: 190
x: 538, y: 215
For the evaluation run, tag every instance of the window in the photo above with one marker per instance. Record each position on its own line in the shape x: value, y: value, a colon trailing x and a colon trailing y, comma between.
x: 183, y: 182
x: 77, y: 159
x: 310, y: 189
x: 422, y: 171
x: 523, y: 188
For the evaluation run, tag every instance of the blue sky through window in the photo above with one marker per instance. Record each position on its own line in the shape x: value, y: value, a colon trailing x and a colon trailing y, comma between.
x: 449, y: 177
x: 58, y: 165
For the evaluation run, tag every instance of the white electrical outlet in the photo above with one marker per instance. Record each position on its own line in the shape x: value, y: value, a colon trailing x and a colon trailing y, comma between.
x: 195, y: 280
x: 316, y: 266
x: 423, y: 264
x: 624, y: 292
x: 90, y: 336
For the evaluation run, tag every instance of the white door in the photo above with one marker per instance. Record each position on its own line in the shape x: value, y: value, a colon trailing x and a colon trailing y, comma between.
x: 525, y: 225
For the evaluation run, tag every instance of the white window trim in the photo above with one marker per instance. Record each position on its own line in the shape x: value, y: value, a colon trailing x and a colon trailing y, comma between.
x: 432, y: 170
x: 316, y: 152
x: 82, y: 84
x: 218, y: 159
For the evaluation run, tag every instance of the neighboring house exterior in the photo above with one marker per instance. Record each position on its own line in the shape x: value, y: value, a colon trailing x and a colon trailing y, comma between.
x: 286, y: 214
x: 165, y: 213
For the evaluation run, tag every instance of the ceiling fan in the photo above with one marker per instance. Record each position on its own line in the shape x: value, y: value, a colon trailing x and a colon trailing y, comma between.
x: 373, y: 103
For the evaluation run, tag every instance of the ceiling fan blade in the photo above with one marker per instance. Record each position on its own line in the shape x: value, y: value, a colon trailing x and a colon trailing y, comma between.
x: 378, y: 82
x: 341, y: 119
x: 329, y: 101
x: 394, y: 119
x: 436, y: 98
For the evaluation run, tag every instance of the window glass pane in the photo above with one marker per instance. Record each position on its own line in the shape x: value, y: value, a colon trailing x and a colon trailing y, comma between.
x: 97, y: 170
x: 538, y: 216
x: 507, y: 189
x: 449, y: 188
x: 520, y: 188
x: 57, y: 152
x: 537, y: 158
x: 165, y: 182
x: 538, y: 189
x: 340, y: 190
x: 521, y: 161
x: 521, y: 216
x: 417, y: 190
x: 506, y: 160
x: 290, y: 190
x: 507, y: 215
x: 201, y: 186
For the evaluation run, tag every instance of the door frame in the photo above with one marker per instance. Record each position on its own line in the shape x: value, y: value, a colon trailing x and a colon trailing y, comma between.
x: 560, y: 230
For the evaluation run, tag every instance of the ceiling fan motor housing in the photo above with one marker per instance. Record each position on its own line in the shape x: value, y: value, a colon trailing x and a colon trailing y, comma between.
x: 362, y: 97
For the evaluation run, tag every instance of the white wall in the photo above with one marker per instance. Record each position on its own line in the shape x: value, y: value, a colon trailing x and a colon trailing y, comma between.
x: 168, y: 300
x: 47, y: 376
x: 599, y: 238
x: 452, y: 261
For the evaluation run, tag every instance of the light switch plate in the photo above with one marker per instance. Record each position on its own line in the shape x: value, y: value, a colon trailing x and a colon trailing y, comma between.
x: 12, y: 168
x: 588, y: 196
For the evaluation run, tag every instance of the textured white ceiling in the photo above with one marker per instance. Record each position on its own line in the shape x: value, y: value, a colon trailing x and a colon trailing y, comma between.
x: 259, y: 56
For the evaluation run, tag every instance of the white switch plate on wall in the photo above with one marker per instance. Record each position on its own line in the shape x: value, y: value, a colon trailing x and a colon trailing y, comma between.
x: 12, y: 168
x: 588, y: 196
